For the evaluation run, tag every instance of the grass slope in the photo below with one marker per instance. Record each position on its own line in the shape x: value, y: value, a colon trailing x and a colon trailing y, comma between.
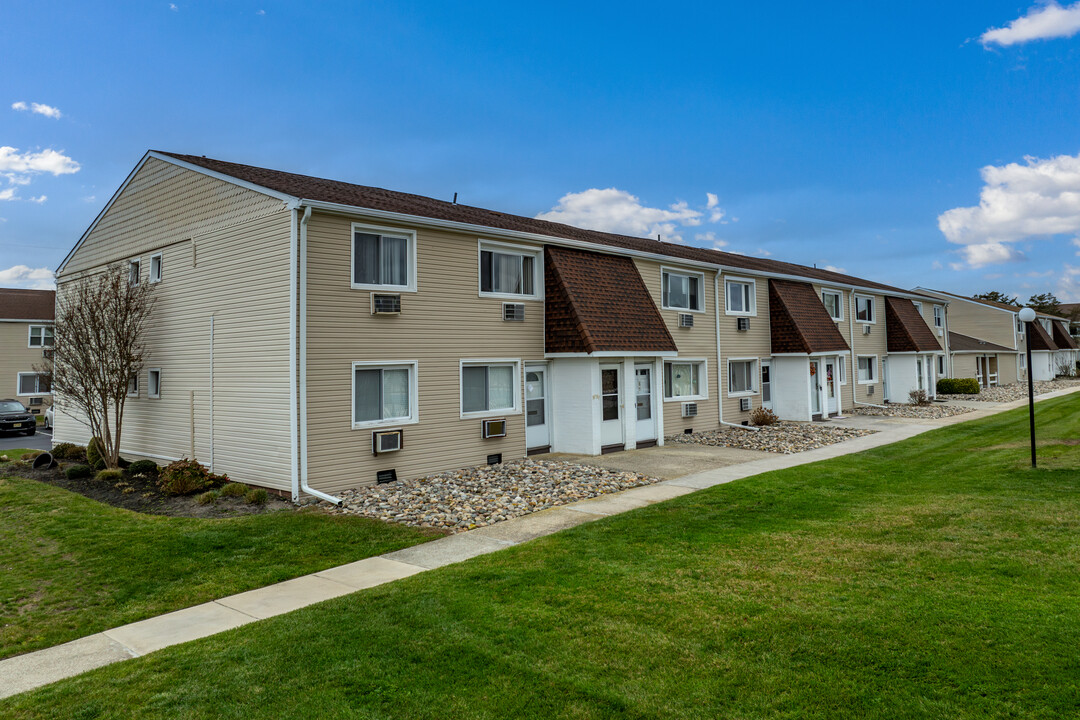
x: 933, y: 578
x: 71, y: 566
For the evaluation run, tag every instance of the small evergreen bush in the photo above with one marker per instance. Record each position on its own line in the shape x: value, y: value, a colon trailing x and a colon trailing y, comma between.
x: 184, y: 477
x: 95, y: 455
x: 143, y: 468
x: 257, y: 496
x: 78, y: 472
x: 69, y: 451
x: 958, y: 386
x: 109, y: 476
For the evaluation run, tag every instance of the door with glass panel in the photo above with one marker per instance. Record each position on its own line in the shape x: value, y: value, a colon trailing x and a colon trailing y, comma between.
x: 537, y: 391
x: 815, y: 387
x: 643, y: 402
x: 830, y: 385
x: 611, y: 424
x: 766, y: 384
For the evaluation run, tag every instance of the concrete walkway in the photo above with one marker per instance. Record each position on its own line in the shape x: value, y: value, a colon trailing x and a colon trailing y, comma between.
x: 32, y: 670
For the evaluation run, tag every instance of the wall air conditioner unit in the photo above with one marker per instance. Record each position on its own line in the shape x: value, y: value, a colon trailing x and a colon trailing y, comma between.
x: 866, y: 329
x: 869, y: 389
x: 35, y: 401
x: 745, y: 404
x: 941, y: 332
x: 387, y: 441
x: 514, y: 312
x: 686, y: 320
x: 385, y: 304
x: 493, y: 428
x: 689, y: 409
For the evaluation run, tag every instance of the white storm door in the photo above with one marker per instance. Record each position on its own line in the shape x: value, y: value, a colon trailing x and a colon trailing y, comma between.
x: 815, y: 387
x: 766, y: 384
x: 830, y: 385
x: 611, y: 424
x: 537, y: 392
x: 643, y: 402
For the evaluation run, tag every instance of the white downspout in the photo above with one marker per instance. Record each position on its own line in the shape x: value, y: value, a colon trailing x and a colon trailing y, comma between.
x: 211, y: 418
x: 294, y: 452
x: 303, y: 367
x: 719, y: 361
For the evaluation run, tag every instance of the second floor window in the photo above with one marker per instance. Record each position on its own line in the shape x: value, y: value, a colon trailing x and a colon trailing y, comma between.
x: 504, y: 272
x: 939, y: 316
x: 133, y: 272
x: 41, y: 336
x: 681, y: 291
x: 740, y: 297
x: 382, y: 259
x: 834, y: 304
x: 864, y: 308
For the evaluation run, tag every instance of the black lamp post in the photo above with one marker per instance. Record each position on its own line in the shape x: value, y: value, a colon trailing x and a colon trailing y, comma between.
x: 1027, y: 316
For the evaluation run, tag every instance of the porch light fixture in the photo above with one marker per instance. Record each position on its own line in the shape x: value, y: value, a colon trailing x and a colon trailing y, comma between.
x: 1027, y: 316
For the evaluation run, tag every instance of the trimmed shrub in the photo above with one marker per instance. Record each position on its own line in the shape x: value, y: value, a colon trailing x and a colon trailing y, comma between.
x: 69, y: 451
x: 95, y: 454
x: 257, y: 496
x: 958, y: 386
x: 208, y: 498
x: 109, y: 476
x: 183, y: 477
x: 918, y: 397
x: 78, y: 472
x: 234, y: 490
x: 761, y: 417
x: 144, y: 468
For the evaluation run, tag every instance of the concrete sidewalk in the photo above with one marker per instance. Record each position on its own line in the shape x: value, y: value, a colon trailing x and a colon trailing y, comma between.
x: 32, y: 670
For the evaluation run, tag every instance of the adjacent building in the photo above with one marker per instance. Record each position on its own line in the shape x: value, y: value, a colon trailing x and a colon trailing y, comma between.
x: 26, y: 335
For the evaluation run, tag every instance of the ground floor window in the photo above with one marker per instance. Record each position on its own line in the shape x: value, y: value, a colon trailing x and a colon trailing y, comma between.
x: 941, y: 365
x: 489, y: 387
x: 741, y: 375
x: 153, y: 383
x: 683, y: 380
x: 384, y: 393
x: 868, y: 369
x: 34, y: 384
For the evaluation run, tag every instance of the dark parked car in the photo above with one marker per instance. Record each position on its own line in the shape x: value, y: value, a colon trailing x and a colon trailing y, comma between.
x: 14, y: 417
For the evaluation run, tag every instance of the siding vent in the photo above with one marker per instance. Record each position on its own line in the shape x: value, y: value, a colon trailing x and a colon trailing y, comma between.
x: 385, y: 476
x: 387, y: 441
x: 689, y: 409
x: 742, y: 324
x: 869, y: 389
x: 493, y: 428
x: 514, y: 312
x: 744, y: 404
x: 866, y: 329
x: 385, y: 304
x: 494, y: 459
x: 686, y: 320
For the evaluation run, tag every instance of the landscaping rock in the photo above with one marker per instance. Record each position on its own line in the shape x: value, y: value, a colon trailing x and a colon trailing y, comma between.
x: 1016, y: 391
x: 784, y: 437
x: 923, y: 412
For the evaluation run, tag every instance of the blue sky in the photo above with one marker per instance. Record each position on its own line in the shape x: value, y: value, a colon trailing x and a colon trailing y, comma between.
x: 829, y: 135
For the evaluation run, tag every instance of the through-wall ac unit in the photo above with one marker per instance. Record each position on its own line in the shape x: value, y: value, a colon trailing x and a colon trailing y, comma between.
x: 689, y: 409
x: 35, y: 401
x: 514, y: 312
x: 869, y: 389
x: 866, y: 329
x: 744, y: 404
x: 385, y: 304
x: 493, y: 428
x: 941, y: 332
x: 387, y: 441
x: 742, y: 323
x: 686, y: 320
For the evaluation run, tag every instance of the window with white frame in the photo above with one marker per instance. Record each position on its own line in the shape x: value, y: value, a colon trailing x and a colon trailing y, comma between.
x: 864, y: 309
x: 918, y: 306
x: 742, y: 377
x: 384, y: 393
x: 133, y: 272
x: 133, y: 385
x: 941, y: 365
x: 740, y: 297
x: 867, y: 369
x: 155, y: 268
x: 682, y: 290
x: 489, y: 387
x: 939, y: 316
x: 508, y: 270
x: 833, y: 300
x: 34, y: 384
x: 383, y: 258
x: 1019, y: 326
x: 843, y: 370
x: 685, y: 380
x: 41, y: 336
x: 153, y: 382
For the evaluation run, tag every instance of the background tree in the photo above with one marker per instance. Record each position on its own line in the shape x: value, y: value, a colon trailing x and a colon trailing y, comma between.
x: 1045, y: 303
x: 99, y: 346
x: 995, y: 296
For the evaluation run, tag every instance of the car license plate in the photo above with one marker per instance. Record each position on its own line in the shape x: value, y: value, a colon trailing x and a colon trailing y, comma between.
x: 17, y: 425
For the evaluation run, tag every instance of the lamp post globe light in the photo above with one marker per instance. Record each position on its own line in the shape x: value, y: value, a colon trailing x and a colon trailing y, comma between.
x: 1027, y: 316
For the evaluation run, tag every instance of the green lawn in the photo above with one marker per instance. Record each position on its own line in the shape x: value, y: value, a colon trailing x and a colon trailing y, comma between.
x: 939, y: 577
x: 71, y: 566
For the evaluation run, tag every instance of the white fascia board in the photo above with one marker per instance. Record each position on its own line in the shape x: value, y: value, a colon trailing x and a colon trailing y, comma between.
x: 823, y: 353
x: 50, y: 321
x: 611, y: 354
x: 987, y: 352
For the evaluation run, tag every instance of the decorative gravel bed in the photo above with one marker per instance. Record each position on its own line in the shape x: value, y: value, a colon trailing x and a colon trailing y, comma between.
x: 474, y: 497
x: 783, y: 437
x: 925, y: 412
x: 1016, y: 391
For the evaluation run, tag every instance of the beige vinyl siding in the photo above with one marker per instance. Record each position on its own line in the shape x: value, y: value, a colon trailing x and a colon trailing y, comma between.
x: 16, y: 356
x: 964, y: 366
x: 442, y: 323
x: 873, y: 344
x: 982, y: 322
x: 698, y: 342
x: 1007, y: 368
x: 163, y: 204
x: 753, y: 343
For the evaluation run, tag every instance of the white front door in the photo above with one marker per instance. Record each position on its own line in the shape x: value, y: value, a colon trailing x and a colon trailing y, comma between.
x: 815, y: 387
x: 766, y: 384
x: 611, y: 425
x: 884, y: 379
x: 643, y: 401
x: 830, y: 385
x: 537, y: 434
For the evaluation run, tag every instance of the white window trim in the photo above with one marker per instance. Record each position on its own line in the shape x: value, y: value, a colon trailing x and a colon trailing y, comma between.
x: 161, y: 271
x: 918, y: 305
x: 158, y: 393
x: 665, y: 269
x: 753, y: 296
x: 414, y: 400
x: 839, y: 304
x: 939, y: 314
x: 756, y: 374
x: 511, y: 249
x: 703, y: 379
x: 518, y: 389
x: 30, y: 336
x: 877, y: 370
x: 409, y: 235
x: 135, y: 262
x: 873, y: 305
x: 842, y: 362
x: 18, y: 385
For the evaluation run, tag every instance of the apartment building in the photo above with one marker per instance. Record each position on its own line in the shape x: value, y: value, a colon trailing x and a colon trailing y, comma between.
x: 26, y: 335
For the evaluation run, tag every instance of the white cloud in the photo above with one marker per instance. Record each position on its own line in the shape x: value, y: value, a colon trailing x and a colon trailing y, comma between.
x: 617, y: 211
x: 50, y: 161
x: 710, y: 238
x: 39, y: 199
x: 1068, y: 287
x: 38, y: 108
x: 1017, y: 201
x: 19, y: 106
x: 260, y: 12
x: 833, y: 268
x: 22, y: 276
x: 763, y: 252
x: 172, y: 6
x: 936, y: 265
x: 1076, y: 242
x: 8, y: 194
x: 1042, y: 22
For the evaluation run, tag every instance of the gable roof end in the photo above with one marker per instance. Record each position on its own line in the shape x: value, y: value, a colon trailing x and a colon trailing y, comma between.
x: 1062, y: 339
x: 905, y: 329
x: 798, y: 320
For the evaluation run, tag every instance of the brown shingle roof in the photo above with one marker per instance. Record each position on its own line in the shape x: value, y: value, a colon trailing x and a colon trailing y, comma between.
x: 599, y: 303
x: 1039, y: 338
x: 798, y: 320
x: 905, y: 329
x: 20, y: 304
x: 362, y: 196
x: 964, y: 343
x: 1062, y: 339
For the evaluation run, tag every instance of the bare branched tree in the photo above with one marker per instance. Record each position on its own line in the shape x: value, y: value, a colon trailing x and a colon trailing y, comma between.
x: 99, y: 345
